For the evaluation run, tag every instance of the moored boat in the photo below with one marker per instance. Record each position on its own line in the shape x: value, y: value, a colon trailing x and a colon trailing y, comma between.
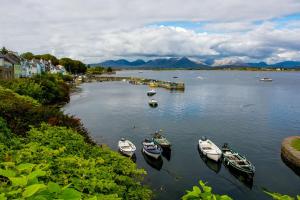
x: 151, y: 92
x: 126, y: 147
x: 161, y: 140
x: 151, y: 149
x: 266, y: 79
x: 209, y: 149
x: 153, y: 103
x: 237, y: 162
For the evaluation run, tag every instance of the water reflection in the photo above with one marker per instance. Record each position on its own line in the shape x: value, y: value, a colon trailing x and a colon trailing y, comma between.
x: 291, y: 166
x: 214, y: 166
x: 243, y: 178
x: 154, y: 163
x: 133, y: 157
x: 167, y: 153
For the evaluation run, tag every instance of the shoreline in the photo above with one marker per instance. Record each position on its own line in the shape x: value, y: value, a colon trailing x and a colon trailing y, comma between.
x: 290, y: 155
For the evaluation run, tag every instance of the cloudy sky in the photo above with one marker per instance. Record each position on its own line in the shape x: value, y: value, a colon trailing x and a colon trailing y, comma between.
x: 95, y: 30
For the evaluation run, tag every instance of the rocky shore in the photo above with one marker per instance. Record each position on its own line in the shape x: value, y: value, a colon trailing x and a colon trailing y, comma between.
x: 290, y: 155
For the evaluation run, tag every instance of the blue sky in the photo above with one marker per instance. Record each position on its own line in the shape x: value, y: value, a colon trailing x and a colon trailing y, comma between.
x: 95, y: 30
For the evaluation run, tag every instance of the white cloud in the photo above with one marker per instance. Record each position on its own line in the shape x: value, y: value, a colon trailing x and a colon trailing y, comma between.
x: 93, y: 30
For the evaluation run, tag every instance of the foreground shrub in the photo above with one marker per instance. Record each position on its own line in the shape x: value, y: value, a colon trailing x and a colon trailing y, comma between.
x: 22, y: 182
x: 203, y: 192
x: 45, y: 88
x: 67, y: 159
x: 278, y: 196
x: 21, y: 112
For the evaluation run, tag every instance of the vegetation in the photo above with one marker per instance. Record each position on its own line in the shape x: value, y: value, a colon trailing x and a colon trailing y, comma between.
x: 203, y: 192
x: 45, y: 154
x: 46, y: 88
x: 278, y: 196
x: 99, y: 70
x: 56, y: 162
x: 73, y: 66
x: 3, y: 51
x: 296, y: 144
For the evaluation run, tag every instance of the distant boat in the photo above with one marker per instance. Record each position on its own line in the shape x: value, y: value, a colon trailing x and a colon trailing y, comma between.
x: 237, y: 162
x: 161, y: 140
x: 200, y: 77
x: 140, y: 71
x: 175, y: 76
x: 153, y: 103
x: 266, y: 79
x: 126, y: 147
x: 151, y: 149
x: 151, y: 92
x: 209, y: 149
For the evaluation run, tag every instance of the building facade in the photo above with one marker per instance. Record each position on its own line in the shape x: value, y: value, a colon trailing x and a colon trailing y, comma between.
x: 8, y: 62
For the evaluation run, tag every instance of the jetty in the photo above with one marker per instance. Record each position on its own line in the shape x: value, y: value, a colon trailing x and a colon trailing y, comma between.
x: 137, y: 81
x: 290, y: 155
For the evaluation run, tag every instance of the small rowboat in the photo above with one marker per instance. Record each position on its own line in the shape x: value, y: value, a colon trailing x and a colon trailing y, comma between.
x: 126, y: 147
x: 266, y: 79
x: 151, y: 92
x: 161, y: 140
x: 151, y: 149
x: 153, y: 103
x: 209, y: 149
x: 237, y: 162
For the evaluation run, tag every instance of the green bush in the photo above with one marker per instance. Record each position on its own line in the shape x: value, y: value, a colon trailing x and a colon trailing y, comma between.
x: 45, y: 88
x: 22, y: 182
x: 68, y: 160
x: 203, y: 192
x: 21, y: 112
x: 5, y: 133
x: 278, y: 196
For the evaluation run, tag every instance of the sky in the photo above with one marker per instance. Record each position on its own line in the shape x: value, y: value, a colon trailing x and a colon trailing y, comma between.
x: 225, y: 31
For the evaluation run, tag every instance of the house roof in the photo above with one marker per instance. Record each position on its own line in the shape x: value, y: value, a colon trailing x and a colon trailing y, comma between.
x: 10, y: 58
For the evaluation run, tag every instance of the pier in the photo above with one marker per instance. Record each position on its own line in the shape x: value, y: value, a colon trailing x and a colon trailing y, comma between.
x: 137, y: 81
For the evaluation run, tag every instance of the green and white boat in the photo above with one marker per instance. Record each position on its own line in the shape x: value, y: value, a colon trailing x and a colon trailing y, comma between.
x: 161, y: 140
x: 237, y: 162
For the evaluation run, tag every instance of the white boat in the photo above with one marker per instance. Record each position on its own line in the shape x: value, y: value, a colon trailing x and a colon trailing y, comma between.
x: 153, y: 103
x: 126, y: 147
x: 209, y: 149
x: 151, y: 149
x: 151, y: 92
x: 266, y: 79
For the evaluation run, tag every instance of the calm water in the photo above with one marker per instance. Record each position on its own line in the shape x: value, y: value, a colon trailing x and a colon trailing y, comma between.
x: 226, y: 106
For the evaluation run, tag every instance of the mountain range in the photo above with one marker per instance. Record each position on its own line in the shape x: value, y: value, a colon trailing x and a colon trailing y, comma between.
x: 186, y: 63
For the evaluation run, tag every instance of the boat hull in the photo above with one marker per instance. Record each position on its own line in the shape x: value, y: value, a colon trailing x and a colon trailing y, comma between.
x: 150, y: 94
x: 213, y: 156
x: 241, y: 171
x: 153, y: 155
x: 210, y: 150
x: 126, y: 153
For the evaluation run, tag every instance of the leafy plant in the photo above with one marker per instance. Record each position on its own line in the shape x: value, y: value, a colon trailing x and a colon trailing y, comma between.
x: 91, y: 170
x: 278, y: 196
x: 203, y: 192
x: 22, y: 182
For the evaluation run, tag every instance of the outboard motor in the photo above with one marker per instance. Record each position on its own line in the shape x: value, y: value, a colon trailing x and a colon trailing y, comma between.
x: 203, y: 138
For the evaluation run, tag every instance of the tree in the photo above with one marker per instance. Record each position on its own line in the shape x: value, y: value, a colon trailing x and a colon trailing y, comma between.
x: 53, y: 59
x: 27, y: 55
x: 3, y: 51
x: 109, y: 69
x: 73, y: 66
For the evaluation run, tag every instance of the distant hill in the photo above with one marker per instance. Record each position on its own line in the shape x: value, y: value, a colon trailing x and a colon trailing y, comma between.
x: 186, y: 63
x: 183, y: 62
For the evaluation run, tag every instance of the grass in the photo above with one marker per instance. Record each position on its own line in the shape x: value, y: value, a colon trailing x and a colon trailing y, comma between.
x: 296, y: 144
